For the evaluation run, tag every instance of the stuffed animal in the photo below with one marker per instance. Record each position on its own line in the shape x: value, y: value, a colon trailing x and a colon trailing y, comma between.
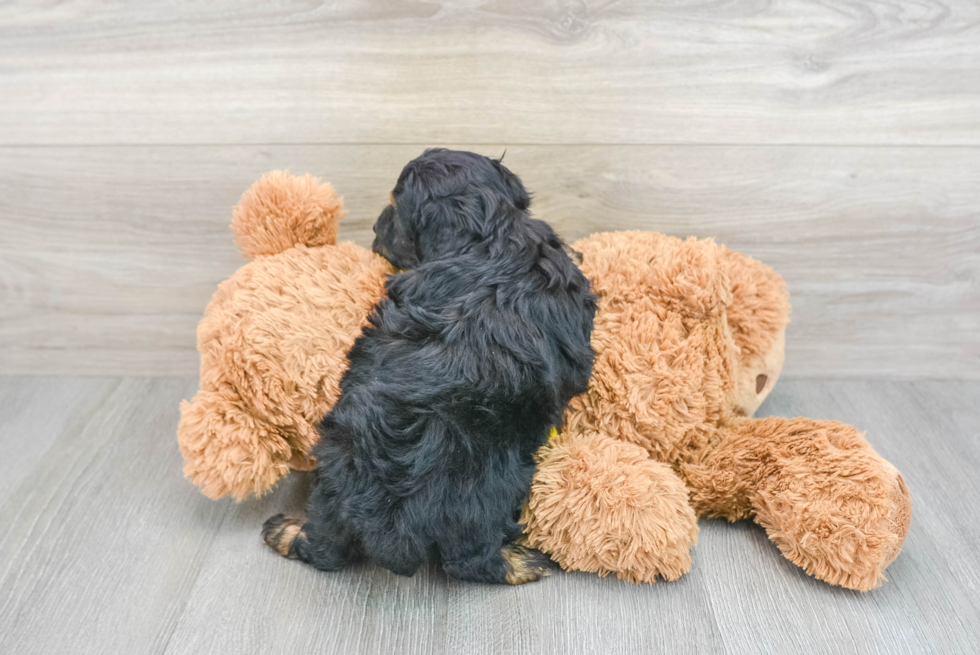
x: 688, y: 338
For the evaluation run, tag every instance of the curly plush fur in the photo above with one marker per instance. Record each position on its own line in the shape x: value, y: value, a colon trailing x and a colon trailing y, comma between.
x: 454, y: 384
x: 266, y: 377
x: 688, y: 339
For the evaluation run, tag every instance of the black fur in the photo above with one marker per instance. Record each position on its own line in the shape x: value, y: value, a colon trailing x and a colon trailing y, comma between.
x: 465, y: 366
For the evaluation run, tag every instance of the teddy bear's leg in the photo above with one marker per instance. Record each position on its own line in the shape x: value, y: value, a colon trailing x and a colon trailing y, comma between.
x: 227, y: 450
x: 602, y: 505
x: 830, y: 503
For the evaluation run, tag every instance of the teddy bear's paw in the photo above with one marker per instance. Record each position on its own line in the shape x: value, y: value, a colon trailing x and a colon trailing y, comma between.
x: 831, y: 504
x: 847, y: 540
x: 899, y: 519
x: 603, y: 506
x: 227, y: 451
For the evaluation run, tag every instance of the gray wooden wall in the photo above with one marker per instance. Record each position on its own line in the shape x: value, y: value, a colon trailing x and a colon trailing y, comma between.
x: 838, y: 141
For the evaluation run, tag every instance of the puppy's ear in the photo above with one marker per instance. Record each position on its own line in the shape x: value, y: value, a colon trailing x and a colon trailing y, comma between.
x: 515, y: 188
x: 397, y: 229
x: 447, y: 225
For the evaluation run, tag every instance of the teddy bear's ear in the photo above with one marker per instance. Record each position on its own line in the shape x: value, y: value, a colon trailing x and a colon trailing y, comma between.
x: 282, y: 210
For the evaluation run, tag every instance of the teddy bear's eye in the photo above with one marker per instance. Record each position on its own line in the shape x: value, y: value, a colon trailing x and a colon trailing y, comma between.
x: 760, y: 382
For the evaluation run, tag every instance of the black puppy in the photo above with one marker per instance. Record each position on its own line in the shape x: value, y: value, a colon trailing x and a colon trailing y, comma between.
x: 462, y: 372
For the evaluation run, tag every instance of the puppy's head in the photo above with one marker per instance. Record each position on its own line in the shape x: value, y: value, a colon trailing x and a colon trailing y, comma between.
x: 446, y: 201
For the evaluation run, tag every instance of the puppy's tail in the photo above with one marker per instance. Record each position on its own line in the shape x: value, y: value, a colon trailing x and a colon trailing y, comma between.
x: 283, y: 210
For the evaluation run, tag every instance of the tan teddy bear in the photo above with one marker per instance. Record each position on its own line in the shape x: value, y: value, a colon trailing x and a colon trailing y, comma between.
x: 689, y: 340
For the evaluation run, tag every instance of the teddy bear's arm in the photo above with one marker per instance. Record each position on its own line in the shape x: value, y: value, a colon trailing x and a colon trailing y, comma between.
x: 602, y: 505
x: 274, y: 338
x: 830, y: 503
x: 229, y: 451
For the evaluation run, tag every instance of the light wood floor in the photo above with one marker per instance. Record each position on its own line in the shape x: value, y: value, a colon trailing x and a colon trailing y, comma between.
x: 105, y: 548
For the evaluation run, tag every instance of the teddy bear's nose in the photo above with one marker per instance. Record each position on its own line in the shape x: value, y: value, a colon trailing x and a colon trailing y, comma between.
x: 760, y: 382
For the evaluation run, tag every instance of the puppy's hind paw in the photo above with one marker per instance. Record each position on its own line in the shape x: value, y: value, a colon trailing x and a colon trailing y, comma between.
x: 280, y: 532
x: 525, y: 564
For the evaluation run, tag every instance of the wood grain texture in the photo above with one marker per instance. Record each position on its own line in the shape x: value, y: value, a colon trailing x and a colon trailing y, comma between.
x: 29, y: 427
x: 104, y: 547
x: 102, y: 539
x: 490, y: 71
x: 109, y: 255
